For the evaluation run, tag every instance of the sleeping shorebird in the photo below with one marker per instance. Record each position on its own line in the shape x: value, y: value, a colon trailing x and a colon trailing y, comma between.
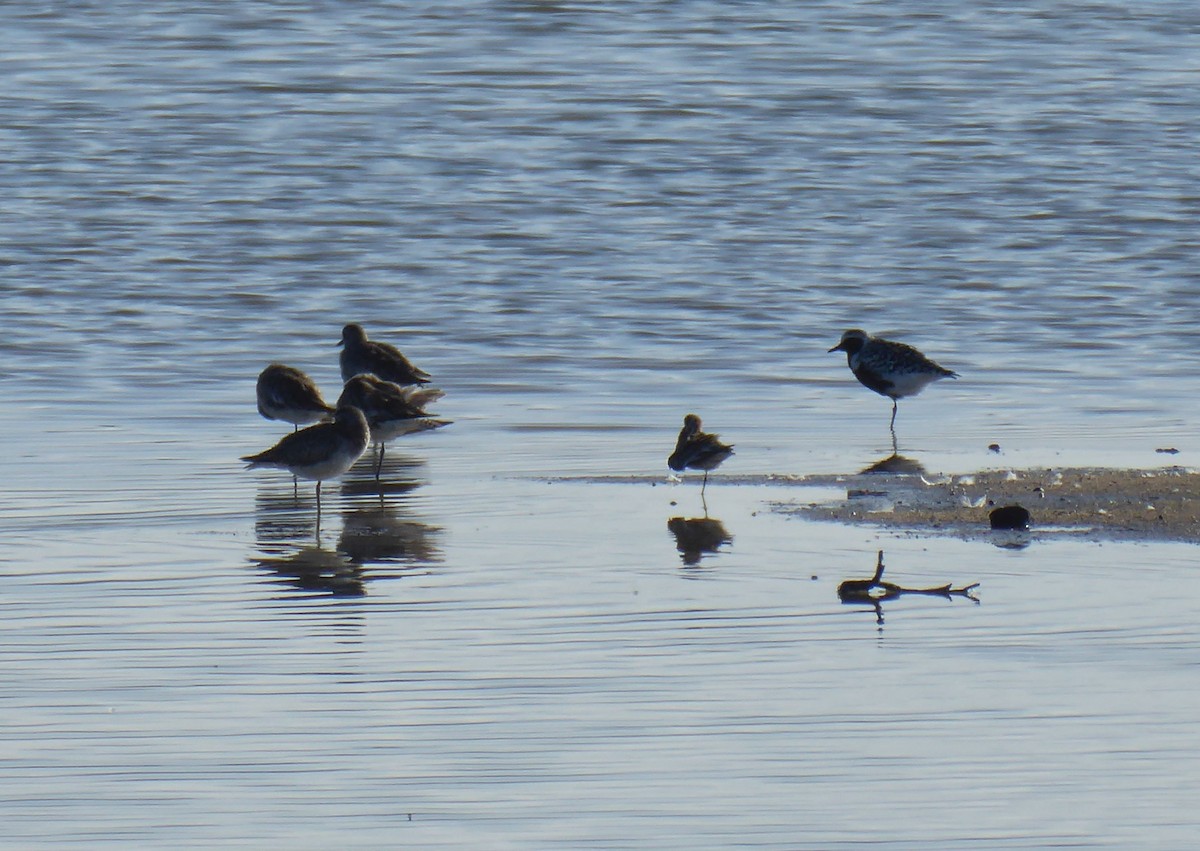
x: 319, y: 452
x: 391, y: 410
x: 360, y: 355
x: 285, y: 393
x: 890, y: 369
x: 697, y: 450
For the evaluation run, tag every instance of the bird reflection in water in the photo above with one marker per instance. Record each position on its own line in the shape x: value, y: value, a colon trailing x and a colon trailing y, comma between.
x: 283, y: 516
x: 896, y: 464
x: 381, y: 535
x: 377, y: 526
x: 316, y: 569
x: 378, y: 529
x: 400, y: 479
x: 875, y: 591
x: 698, y: 536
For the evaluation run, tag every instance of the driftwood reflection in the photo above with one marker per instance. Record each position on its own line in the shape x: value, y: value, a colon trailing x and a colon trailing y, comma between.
x: 875, y: 591
x: 698, y: 536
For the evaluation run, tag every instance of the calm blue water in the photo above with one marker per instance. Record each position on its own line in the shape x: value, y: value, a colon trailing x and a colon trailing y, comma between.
x: 586, y: 221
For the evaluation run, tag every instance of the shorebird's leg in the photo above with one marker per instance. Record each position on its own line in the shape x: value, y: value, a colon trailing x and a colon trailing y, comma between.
x: 704, y: 503
x: 893, y: 425
x: 704, y: 484
x: 379, y: 463
x: 318, y: 508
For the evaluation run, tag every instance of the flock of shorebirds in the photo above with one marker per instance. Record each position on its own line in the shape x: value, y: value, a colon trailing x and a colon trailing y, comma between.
x: 384, y: 397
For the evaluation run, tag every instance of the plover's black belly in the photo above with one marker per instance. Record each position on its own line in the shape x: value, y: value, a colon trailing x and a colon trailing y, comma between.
x: 873, y: 380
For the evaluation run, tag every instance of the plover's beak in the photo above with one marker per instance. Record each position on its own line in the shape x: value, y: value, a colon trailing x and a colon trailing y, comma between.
x: 837, y: 348
x: 339, y: 344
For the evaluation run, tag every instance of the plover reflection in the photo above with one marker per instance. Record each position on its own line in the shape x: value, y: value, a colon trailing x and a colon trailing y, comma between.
x: 697, y: 450
x: 319, y: 452
x: 360, y: 355
x: 890, y: 369
x: 285, y: 393
x: 391, y: 410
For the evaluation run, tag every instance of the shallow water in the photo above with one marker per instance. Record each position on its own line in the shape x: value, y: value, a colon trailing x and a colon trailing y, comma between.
x: 585, y: 224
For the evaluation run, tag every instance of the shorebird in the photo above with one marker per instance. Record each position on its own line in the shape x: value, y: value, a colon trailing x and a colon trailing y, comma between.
x: 360, y: 355
x: 319, y: 452
x: 890, y: 369
x: 391, y: 410
x: 697, y: 450
x: 286, y: 393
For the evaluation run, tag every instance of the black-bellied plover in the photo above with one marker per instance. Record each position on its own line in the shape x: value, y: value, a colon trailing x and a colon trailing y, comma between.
x: 890, y: 369
x: 391, y: 409
x: 697, y: 450
x: 285, y: 393
x: 319, y: 452
x: 360, y: 355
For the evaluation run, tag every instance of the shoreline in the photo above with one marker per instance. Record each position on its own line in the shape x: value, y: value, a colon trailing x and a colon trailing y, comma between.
x: 1160, y: 504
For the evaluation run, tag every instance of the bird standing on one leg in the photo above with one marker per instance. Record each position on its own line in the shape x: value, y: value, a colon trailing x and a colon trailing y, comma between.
x: 890, y: 369
x: 319, y: 452
x: 697, y: 450
x: 391, y: 410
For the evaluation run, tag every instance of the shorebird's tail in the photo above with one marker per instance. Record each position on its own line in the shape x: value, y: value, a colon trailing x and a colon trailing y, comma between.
x: 427, y: 424
x: 261, y: 459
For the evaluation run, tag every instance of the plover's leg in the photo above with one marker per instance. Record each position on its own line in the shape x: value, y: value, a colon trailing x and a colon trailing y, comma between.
x: 318, y: 508
x: 893, y: 425
x: 379, y: 463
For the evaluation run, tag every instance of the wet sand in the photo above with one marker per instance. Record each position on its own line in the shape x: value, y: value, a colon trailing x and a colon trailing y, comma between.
x: 1162, y: 504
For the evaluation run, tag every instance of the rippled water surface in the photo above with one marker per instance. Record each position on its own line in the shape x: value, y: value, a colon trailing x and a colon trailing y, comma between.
x: 586, y: 221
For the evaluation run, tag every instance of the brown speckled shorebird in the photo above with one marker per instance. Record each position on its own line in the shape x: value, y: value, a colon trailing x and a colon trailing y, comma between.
x: 391, y: 410
x: 285, y: 393
x: 319, y: 452
x: 697, y: 450
x: 360, y: 355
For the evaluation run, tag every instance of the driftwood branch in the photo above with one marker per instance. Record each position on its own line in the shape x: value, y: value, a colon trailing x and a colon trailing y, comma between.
x: 875, y: 590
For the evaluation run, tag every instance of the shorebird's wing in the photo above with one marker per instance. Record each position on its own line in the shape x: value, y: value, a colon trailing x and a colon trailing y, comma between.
x: 391, y: 360
x: 419, y: 396
x: 700, y: 449
x: 294, y: 392
x: 300, y: 449
x: 389, y: 401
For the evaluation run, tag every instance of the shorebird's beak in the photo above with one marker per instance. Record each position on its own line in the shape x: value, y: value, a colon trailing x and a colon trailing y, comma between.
x: 837, y: 348
x: 339, y: 344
